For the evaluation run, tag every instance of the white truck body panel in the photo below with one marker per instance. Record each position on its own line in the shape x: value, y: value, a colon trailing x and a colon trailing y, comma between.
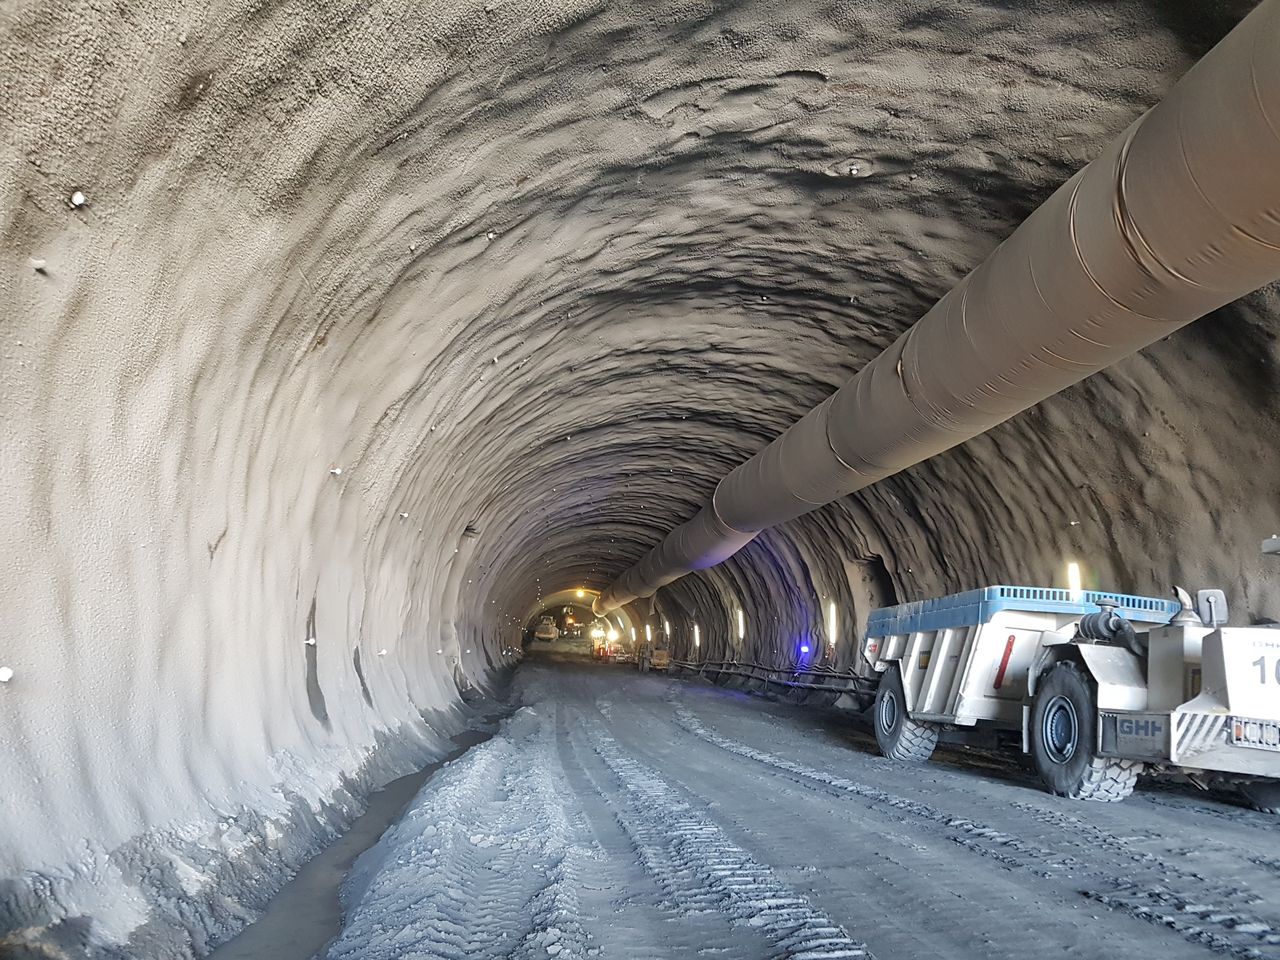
x: 1121, y: 685
x: 1173, y: 673
x: 1204, y: 699
x: 975, y: 663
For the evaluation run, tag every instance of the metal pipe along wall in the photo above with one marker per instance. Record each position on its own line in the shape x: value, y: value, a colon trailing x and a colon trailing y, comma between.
x: 1178, y: 216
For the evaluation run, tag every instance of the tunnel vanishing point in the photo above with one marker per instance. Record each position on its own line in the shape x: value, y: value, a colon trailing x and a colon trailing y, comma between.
x: 341, y: 339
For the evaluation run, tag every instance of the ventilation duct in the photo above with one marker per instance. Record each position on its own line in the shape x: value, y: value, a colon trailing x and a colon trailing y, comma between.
x: 1178, y: 216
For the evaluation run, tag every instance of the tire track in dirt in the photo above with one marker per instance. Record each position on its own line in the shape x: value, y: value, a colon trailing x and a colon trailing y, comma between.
x: 485, y: 864
x: 874, y: 869
x: 701, y: 870
x: 1217, y: 814
x: 1194, y: 908
x: 1153, y: 827
x: 643, y: 913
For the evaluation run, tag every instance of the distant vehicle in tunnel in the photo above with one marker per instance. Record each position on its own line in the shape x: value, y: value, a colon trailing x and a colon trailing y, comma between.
x: 1098, y: 686
x: 606, y: 643
x: 546, y: 629
x: 654, y: 655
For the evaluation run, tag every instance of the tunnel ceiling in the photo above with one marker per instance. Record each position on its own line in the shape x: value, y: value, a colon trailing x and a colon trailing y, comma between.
x: 370, y: 324
x: 545, y: 274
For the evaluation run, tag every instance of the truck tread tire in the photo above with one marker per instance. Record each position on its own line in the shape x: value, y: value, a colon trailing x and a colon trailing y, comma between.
x: 1263, y: 797
x: 1064, y: 735
x: 900, y: 737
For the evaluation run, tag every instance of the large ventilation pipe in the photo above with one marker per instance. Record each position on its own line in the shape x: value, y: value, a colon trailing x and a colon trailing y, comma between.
x: 1177, y: 217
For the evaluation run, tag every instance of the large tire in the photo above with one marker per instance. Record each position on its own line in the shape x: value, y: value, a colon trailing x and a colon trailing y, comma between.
x: 1264, y: 795
x: 1064, y: 737
x: 900, y: 737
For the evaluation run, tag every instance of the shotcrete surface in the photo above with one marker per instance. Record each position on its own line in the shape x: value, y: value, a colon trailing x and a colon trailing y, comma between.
x: 337, y: 336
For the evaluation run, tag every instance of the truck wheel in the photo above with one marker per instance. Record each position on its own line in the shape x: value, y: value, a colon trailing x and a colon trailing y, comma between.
x: 1064, y: 737
x: 900, y: 737
x: 1263, y: 795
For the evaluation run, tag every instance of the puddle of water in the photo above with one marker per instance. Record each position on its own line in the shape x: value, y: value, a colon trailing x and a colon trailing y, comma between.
x: 306, y: 914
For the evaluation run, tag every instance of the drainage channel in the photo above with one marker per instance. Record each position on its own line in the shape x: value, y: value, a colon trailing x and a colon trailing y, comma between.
x: 307, y: 912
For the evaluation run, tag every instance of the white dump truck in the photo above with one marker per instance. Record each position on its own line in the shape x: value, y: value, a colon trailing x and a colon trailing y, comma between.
x: 1098, y: 685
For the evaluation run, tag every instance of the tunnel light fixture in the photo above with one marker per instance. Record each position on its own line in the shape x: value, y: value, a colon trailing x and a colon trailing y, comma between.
x: 666, y: 626
x: 697, y: 637
x: 742, y: 624
x: 581, y: 594
x: 804, y: 648
x: 1074, y: 584
x: 831, y: 623
x: 633, y: 634
x: 648, y: 634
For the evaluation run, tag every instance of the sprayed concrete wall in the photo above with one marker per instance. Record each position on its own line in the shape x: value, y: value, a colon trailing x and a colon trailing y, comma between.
x: 336, y: 335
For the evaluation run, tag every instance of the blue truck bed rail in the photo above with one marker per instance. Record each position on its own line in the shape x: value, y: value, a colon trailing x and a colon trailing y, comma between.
x: 979, y: 606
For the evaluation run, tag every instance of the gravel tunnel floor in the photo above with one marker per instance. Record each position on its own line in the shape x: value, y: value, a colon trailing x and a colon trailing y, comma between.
x: 620, y: 815
x: 307, y: 912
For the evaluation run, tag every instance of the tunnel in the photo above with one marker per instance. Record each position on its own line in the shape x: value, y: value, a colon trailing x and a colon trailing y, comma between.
x: 342, y: 340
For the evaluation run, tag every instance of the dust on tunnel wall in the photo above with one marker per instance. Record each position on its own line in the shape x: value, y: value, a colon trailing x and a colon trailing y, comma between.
x: 354, y: 279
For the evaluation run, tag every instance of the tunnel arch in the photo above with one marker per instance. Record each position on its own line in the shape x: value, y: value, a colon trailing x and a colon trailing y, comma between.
x: 378, y: 320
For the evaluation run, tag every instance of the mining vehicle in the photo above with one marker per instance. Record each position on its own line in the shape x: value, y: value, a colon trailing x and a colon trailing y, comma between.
x: 654, y: 656
x: 1098, y: 687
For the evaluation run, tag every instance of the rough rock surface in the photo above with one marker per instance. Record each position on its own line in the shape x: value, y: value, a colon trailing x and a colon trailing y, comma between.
x: 337, y: 334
